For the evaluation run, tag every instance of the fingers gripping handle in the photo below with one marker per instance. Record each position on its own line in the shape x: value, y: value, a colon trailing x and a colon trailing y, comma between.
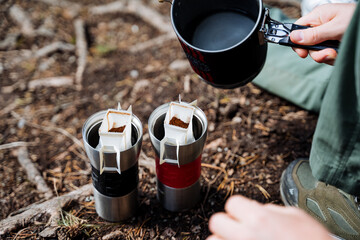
x: 334, y: 44
x: 276, y: 32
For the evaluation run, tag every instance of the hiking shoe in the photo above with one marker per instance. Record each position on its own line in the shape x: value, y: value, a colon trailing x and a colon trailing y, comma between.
x: 338, y: 211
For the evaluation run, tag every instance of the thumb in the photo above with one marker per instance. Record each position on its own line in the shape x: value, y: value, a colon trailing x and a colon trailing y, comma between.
x: 312, y: 35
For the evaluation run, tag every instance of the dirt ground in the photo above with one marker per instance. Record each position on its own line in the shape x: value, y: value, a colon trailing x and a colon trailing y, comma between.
x: 130, y: 58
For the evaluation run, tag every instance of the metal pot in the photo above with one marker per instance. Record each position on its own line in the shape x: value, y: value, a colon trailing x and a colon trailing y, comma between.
x: 225, y: 41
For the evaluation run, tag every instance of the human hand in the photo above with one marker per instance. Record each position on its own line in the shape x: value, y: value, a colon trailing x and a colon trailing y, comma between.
x: 247, y: 219
x: 328, y: 22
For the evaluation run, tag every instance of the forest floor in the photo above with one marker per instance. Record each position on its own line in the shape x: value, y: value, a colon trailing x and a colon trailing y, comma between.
x: 62, y: 61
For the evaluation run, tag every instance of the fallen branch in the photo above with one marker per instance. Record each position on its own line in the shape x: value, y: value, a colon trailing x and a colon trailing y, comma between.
x: 9, y: 42
x: 54, y: 47
x: 33, y: 174
x: 72, y: 8
x: 81, y: 51
x: 24, y: 55
x: 51, y: 82
x: 149, y: 15
x: 50, y: 129
x: 138, y: 8
x: 51, y: 207
x: 16, y: 144
x: 22, y: 19
x: 158, y: 41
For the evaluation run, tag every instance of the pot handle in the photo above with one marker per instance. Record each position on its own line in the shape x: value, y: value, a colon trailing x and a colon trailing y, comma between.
x: 334, y: 44
x: 277, y: 32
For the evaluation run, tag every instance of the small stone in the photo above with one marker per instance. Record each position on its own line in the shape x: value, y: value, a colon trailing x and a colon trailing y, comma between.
x: 135, y: 28
x: 236, y: 120
x: 12, y: 130
x: 196, y: 229
x: 72, y: 59
x: 21, y: 123
x: 134, y: 74
x: 211, y: 127
x: 168, y: 232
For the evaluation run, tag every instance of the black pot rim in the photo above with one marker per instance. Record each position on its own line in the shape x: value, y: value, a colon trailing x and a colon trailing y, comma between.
x: 221, y: 50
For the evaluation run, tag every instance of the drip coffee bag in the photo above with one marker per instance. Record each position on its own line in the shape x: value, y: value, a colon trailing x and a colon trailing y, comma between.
x: 115, y: 136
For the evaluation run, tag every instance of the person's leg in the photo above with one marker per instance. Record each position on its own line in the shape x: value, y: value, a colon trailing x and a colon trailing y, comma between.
x: 335, y: 153
x: 327, y: 187
x: 300, y: 81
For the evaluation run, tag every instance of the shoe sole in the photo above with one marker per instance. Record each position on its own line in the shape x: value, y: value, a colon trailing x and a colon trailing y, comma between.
x: 282, y: 194
x: 286, y: 203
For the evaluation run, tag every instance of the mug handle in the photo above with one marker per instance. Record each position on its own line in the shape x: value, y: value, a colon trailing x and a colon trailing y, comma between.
x: 162, y: 152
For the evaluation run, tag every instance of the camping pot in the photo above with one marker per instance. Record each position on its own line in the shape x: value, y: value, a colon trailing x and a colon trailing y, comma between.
x: 178, y: 185
x: 225, y: 41
x: 115, y: 194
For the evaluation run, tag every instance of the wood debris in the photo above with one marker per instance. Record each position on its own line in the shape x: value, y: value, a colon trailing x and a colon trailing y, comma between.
x: 32, y: 173
x: 22, y: 19
x: 51, y: 82
x: 52, y: 207
x: 81, y: 51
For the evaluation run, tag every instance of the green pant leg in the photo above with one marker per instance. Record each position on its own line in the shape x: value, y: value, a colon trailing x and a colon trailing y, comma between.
x: 285, y: 74
x: 335, y: 153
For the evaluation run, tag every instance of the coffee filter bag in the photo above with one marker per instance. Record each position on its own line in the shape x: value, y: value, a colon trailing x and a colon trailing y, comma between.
x: 114, y: 141
x: 175, y: 135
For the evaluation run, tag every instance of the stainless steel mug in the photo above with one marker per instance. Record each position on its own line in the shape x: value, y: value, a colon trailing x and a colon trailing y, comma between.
x: 178, y: 186
x: 116, y: 195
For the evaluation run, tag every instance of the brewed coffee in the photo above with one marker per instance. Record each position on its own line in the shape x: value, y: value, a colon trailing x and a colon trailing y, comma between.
x: 222, y: 30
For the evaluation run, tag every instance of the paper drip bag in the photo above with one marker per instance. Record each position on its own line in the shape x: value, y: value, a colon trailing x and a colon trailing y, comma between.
x: 177, y: 135
x: 115, y: 136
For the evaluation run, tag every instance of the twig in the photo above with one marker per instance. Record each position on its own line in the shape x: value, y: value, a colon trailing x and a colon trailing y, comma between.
x: 24, y: 55
x: 22, y: 19
x: 33, y: 174
x: 50, y: 129
x: 81, y: 51
x: 138, y: 8
x: 17, y: 144
x: 51, y: 82
x: 187, y: 87
x: 9, y: 42
x: 112, y: 235
x: 53, y: 47
x: 154, y: 42
x: 52, y: 207
x: 263, y: 191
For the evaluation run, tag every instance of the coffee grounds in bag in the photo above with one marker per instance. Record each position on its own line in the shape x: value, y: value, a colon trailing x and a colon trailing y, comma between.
x: 177, y: 122
x: 118, y: 129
